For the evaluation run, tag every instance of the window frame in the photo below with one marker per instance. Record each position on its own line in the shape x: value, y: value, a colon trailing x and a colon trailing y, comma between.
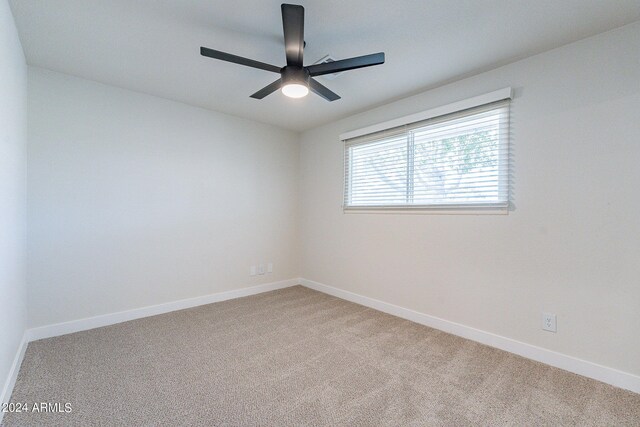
x: 390, y: 126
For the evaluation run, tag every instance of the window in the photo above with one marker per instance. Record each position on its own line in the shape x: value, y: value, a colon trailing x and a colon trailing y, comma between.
x: 455, y: 160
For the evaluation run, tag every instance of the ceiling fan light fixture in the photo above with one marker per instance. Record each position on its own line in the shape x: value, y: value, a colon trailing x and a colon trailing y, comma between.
x: 295, y: 90
x: 296, y: 80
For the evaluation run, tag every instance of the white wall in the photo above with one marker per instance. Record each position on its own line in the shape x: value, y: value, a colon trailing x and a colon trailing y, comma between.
x: 13, y: 143
x: 135, y: 200
x: 572, y: 244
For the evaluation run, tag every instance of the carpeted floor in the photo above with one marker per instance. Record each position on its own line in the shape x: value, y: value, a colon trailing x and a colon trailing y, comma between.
x: 296, y: 357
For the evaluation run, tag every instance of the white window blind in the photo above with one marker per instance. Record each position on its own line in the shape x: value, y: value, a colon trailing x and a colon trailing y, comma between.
x: 458, y: 160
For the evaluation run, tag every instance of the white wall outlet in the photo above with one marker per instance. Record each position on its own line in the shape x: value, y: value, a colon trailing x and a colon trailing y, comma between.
x: 270, y: 267
x: 549, y: 322
x: 261, y: 269
x: 252, y: 270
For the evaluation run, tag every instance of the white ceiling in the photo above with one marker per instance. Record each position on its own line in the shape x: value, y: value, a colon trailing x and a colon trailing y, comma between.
x: 152, y: 46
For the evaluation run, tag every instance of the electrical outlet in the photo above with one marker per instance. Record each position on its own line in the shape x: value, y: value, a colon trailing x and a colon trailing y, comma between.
x: 549, y: 322
x: 270, y: 267
x: 252, y: 270
x: 261, y: 269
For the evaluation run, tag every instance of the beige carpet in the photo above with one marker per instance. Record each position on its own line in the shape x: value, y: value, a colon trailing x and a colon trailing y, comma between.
x: 296, y: 357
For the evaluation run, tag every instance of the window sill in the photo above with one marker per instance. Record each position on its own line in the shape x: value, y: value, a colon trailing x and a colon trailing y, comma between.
x: 493, y: 210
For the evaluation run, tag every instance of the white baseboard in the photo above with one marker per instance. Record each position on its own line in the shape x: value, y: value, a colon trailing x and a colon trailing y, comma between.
x: 7, y: 389
x: 569, y: 363
x: 72, y: 326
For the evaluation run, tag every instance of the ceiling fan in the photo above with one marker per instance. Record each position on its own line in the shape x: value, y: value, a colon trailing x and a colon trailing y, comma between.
x: 295, y: 79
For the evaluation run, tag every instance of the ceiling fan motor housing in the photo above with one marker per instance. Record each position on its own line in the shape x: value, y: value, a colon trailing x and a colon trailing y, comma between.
x: 292, y: 74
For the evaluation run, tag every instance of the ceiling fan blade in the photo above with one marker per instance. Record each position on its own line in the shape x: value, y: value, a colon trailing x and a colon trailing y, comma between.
x: 323, y: 91
x: 346, y: 64
x: 293, y: 26
x: 267, y: 90
x: 216, y: 54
